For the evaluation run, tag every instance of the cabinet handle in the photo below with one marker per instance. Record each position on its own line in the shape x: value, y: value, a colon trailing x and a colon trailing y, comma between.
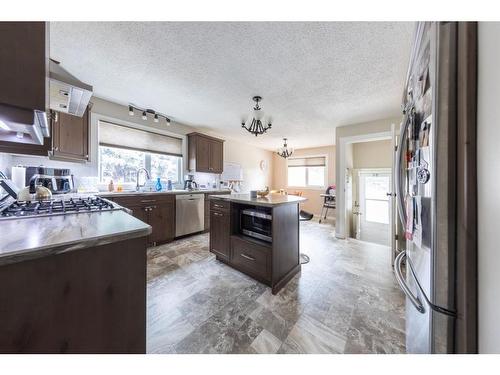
x: 148, y: 200
x: 218, y: 206
x: 218, y: 214
x: 248, y: 257
x: 56, y: 148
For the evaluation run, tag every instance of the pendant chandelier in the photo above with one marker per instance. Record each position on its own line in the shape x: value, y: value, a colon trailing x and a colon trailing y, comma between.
x: 284, y: 151
x: 256, y: 127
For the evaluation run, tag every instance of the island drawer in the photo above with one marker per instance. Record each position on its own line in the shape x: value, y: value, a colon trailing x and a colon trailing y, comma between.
x: 251, y: 257
x: 219, y: 205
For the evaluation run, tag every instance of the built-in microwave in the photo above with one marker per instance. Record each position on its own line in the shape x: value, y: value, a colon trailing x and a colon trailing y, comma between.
x: 256, y: 223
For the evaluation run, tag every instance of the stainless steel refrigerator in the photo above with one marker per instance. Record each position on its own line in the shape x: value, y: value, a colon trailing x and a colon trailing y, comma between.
x: 426, y: 190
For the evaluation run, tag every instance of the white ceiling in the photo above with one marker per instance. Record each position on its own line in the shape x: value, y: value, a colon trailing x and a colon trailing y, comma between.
x: 312, y: 76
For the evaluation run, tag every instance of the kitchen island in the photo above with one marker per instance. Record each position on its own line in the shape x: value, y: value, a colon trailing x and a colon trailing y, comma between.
x: 257, y: 236
x: 73, y: 283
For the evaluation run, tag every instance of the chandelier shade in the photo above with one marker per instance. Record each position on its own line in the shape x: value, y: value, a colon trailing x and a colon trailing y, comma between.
x: 257, y: 126
x: 285, y: 151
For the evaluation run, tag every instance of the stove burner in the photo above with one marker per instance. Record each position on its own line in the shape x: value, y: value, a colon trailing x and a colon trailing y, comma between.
x: 56, y: 207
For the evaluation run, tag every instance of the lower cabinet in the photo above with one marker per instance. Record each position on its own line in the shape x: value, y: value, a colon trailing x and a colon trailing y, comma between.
x: 251, y: 257
x: 220, y: 233
x: 207, y: 208
x: 158, y: 211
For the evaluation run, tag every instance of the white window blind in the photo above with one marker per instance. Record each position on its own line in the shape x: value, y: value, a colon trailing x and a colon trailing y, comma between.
x: 317, y: 161
x: 125, y: 137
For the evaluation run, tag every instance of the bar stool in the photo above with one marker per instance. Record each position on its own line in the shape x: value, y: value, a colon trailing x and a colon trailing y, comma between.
x: 304, y: 216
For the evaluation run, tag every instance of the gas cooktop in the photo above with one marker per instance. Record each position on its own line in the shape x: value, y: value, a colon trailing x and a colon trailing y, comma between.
x: 55, y: 207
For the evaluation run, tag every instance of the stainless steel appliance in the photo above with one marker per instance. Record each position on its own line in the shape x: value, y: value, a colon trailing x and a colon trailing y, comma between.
x: 57, y: 180
x: 256, y: 223
x: 190, y: 183
x: 189, y: 213
x: 427, y: 161
x: 19, y: 209
x: 67, y: 93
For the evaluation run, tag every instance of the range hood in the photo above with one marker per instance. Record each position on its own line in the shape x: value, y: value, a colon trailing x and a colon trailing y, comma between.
x: 23, y: 126
x: 67, y: 93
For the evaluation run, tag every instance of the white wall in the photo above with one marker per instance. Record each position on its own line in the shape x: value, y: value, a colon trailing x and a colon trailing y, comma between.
x: 488, y: 174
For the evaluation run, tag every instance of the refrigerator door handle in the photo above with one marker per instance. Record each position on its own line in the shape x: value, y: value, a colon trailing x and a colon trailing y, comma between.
x: 400, y: 195
x: 402, y: 283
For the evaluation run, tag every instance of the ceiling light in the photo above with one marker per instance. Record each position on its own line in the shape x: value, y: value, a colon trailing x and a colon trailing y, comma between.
x: 130, y: 110
x: 256, y: 126
x: 284, y: 151
x: 156, y: 117
x: 4, y: 126
x: 144, y: 116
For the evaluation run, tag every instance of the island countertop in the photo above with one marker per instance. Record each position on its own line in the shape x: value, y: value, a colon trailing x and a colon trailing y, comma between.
x: 35, y: 237
x: 270, y: 201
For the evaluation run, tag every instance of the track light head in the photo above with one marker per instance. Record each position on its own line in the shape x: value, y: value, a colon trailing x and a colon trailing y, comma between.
x: 156, y: 117
x: 130, y: 110
x: 144, y: 115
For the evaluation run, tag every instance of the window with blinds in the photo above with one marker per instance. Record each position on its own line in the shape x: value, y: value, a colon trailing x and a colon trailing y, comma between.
x: 123, y: 150
x: 307, y: 172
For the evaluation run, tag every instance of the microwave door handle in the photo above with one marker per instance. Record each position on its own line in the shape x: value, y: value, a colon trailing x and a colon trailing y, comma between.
x: 400, y: 195
x: 402, y: 283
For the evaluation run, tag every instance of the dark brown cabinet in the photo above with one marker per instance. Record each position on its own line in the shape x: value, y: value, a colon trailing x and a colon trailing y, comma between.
x: 24, y: 70
x: 206, y: 154
x: 273, y: 263
x: 220, y: 231
x: 207, y: 207
x: 158, y: 211
x: 70, y: 136
x: 24, y: 59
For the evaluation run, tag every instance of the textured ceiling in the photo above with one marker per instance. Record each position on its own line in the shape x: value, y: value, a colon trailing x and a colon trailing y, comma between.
x: 312, y: 76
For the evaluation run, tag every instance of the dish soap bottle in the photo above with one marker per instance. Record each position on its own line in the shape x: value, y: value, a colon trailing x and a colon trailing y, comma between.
x: 169, y: 185
x: 158, y: 184
x: 111, y: 186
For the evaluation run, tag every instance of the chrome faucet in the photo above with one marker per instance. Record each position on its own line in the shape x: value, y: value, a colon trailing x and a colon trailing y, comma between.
x: 137, y: 187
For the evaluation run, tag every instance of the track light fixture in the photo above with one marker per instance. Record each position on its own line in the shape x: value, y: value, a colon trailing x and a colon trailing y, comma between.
x: 145, y: 111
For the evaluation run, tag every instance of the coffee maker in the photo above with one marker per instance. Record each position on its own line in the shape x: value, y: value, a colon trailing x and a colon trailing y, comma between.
x: 190, y: 183
x: 58, y: 181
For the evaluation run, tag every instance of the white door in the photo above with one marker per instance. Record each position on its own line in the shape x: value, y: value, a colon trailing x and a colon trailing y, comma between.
x: 375, y: 207
x: 393, y: 230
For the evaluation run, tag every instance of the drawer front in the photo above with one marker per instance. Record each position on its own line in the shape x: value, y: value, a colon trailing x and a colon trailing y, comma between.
x: 251, y: 257
x: 219, y: 205
x: 143, y: 200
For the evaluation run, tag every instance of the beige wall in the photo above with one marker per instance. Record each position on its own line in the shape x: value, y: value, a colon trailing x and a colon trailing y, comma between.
x: 488, y: 180
x: 314, y: 202
x: 249, y: 157
x: 375, y: 154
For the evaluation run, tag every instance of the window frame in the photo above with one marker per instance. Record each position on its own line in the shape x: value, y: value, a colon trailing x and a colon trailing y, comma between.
x: 309, y: 187
x: 147, y: 160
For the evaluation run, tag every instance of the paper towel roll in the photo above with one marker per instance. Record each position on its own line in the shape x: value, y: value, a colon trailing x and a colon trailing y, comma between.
x: 19, y: 176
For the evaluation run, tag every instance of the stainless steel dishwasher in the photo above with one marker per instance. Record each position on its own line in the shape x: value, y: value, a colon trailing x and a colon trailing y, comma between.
x: 189, y: 213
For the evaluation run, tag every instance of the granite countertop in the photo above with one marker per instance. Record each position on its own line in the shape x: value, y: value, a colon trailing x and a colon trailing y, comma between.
x: 105, y: 194
x: 270, y: 201
x: 30, y: 238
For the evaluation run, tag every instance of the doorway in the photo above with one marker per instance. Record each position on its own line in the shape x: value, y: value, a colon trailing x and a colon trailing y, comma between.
x: 372, y: 209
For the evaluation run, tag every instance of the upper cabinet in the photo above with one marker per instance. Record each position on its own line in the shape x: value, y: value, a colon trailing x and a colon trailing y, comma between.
x: 70, y: 136
x: 24, y: 65
x: 206, y: 154
x: 24, y: 88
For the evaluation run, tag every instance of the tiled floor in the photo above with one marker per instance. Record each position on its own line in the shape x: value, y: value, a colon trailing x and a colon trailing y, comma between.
x: 344, y: 301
